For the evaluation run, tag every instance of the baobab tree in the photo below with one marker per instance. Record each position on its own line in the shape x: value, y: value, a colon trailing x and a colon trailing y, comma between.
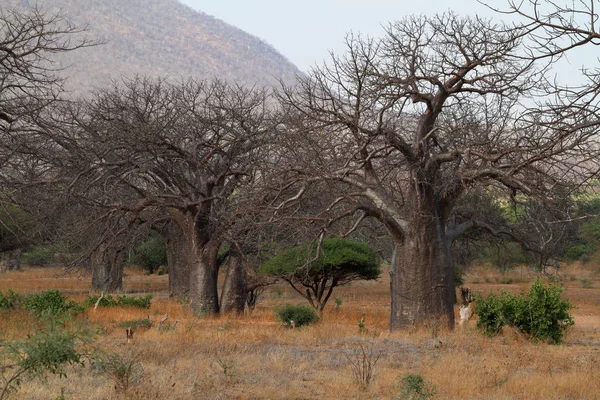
x: 180, y: 152
x: 406, y: 125
x: 29, y: 85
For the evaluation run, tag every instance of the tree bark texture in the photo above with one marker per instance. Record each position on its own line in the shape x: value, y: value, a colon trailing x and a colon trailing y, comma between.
x: 204, y: 298
x: 235, y: 290
x: 178, y: 261
x: 422, y: 276
x: 107, y: 269
x: 10, y: 260
x: 197, y: 230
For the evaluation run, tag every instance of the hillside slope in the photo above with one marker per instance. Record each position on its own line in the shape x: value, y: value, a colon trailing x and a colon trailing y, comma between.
x: 160, y: 38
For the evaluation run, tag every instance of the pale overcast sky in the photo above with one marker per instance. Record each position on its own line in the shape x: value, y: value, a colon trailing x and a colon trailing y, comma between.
x: 304, y: 31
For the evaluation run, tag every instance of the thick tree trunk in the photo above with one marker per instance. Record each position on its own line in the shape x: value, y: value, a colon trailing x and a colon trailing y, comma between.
x: 10, y: 260
x: 178, y: 260
x: 204, y: 298
x: 422, y: 277
x: 235, y: 289
x: 203, y: 266
x: 107, y: 270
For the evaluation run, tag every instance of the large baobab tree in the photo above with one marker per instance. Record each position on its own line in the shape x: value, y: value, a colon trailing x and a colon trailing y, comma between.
x: 404, y: 126
x: 181, y: 152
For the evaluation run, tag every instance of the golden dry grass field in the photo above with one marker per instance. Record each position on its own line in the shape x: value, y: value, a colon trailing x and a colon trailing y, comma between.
x: 255, y: 357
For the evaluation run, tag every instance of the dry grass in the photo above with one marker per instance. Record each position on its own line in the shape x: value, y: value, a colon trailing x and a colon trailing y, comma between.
x: 253, y: 357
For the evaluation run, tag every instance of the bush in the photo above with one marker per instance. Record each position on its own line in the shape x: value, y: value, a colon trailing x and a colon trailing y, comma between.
x: 413, y: 387
x: 577, y: 252
x: 151, y: 253
x: 49, y: 302
x: 540, y: 313
x: 125, y: 370
x: 120, y: 301
x: 9, y: 300
x: 300, y: 315
x: 38, y: 256
x: 36, y: 356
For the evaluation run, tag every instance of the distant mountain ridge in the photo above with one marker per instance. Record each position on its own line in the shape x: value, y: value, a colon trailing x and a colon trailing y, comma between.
x: 160, y: 38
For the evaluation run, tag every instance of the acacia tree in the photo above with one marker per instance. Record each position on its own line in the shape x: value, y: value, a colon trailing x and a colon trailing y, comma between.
x: 408, y: 124
x: 181, y: 152
x: 314, y: 271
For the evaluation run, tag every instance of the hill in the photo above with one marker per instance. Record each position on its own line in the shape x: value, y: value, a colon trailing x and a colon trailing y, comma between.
x: 160, y: 38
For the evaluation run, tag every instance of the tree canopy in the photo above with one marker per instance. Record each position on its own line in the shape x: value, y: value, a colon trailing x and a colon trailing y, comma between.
x: 320, y: 267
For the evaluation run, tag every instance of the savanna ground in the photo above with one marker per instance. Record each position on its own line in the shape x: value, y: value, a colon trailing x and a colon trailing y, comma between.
x: 255, y: 357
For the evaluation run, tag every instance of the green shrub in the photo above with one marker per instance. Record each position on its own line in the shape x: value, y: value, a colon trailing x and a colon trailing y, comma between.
x: 120, y: 301
x: 36, y: 356
x: 151, y: 253
x: 301, y: 315
x: 586, y: 283
x: 577, y: 252
x: 38, y: 256
x: 540, y: 313
x: 9, y: 301
x: 49, y: 302
x: 413, y: 387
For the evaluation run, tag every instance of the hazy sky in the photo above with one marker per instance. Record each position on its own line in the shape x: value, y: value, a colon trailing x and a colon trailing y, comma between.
x: 306, y: 30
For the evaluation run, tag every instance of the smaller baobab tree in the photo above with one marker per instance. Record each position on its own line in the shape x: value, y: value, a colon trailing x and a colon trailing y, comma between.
x: 178, y: 152
x: 315, y: 270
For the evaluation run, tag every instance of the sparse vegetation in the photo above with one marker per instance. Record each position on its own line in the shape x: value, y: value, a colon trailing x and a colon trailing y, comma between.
x: 136, y: 323
x: 47, y: 352
x: 363, y: 357
x: 124, y: 369
x: 265, y: 359
x: 120, y: 301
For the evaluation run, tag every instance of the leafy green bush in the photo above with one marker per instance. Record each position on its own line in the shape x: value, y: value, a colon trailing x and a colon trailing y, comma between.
x: 9, y: 301
x: 151, y: 253
x: 300, y: 315
x: 49, y: 302
x: 38, y: 355
x: 120, y: 301
x: 413, y: 387
x: 577, y: 252
x: 540, y: 313
x: 38, y: 256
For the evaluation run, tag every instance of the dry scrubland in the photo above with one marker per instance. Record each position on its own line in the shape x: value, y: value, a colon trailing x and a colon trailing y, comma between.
x: 254, y: 357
